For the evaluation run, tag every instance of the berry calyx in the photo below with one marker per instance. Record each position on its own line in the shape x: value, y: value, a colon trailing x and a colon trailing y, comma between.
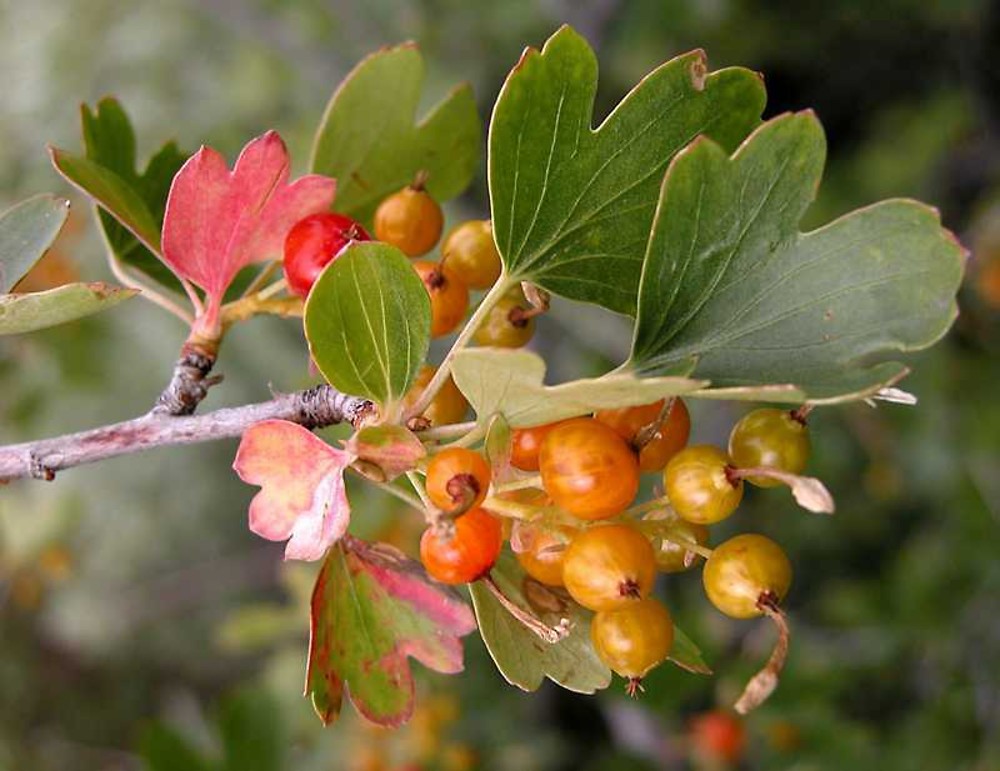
x: 656, y: 431
x: 772, y: 438
x: 410, y: 220
x: 587, y: 469
x: 746, y: 573
x: 457, y: 479
x: 609, y: 566
x: 700, y: 485
x: 449, y: 296
x: 634, y: 639
x: 464, y: 553
x: 313, y: 243
x: 509, y: 324
x: 470, y: 252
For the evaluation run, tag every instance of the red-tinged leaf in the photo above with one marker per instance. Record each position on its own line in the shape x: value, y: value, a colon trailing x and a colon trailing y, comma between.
x: 218, y: 222
x: 373, y: 607
x: 302, y: 495
x: 393, y: 449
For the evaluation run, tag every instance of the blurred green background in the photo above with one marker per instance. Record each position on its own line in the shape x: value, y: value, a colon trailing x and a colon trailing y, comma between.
x: 140, y: 618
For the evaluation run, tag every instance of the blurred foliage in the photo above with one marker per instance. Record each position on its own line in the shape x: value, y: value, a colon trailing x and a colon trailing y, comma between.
x: 143, y: 626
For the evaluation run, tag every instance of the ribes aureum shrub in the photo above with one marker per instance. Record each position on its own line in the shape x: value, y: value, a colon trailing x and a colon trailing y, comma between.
x: 680, y: 210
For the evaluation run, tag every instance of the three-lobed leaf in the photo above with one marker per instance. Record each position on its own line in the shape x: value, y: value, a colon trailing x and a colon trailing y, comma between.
x: 302, y: 497
x: 521, y: 656
x: 572, y: 205
x: 27, y: 230
x: 367, y: 139
x: 734, y: 293
x: 511, y: 383
x: 20, y: 313
x: 372, y: 608
x: 367, y: 320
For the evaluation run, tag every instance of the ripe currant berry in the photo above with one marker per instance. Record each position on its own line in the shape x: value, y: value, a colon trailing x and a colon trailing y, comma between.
x: 313, y: 243
x: 448, y: 405
x: 457, y: 479
x: 700, y: 486
x: 609, y: 566
x: 656, y: 440
x: 634, y: 639
x: 546, y: 552
x: 467, y: 553
x: 509, y: 324
x: 449, y: 296
x: 526, y: 443
x: 769, y: 437
x: 717, y: 736
x: 410, y: 220
x: 745, y: 572
x: 470, y: 252
x: 587, y: 469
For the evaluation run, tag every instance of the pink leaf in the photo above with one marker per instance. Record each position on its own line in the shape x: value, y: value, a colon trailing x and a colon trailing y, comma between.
x: 302, y: 495
x: 372, y: 608
x: 218, y: 222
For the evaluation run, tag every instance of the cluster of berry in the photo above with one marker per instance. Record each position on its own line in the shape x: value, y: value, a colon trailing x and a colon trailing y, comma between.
x: 589, y: 469
x: 573, y: 529
x: 412, y: 221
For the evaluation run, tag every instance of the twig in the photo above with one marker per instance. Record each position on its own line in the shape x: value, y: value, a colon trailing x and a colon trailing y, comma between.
x: 314, y: 408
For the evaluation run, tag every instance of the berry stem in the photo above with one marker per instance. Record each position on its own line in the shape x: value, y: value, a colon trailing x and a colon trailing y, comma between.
x: 690, y: 546
x: 549, y: 634
x: 450, y: 431
x: 799, y: 414
x: 396, y: 492
x: 520, y: 484
x: 765, y: 681
x: 418, y: 487
x: 648, y: 433
x: 498, y: 290
x: 513, y: 509
x: 260, y: 279
x: 643, y: 508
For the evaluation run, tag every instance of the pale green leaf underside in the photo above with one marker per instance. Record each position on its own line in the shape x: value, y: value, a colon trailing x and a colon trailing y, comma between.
x: 733, y: 293
x: 20, y: 313
x: 368, y: 141
x: 572, y: 205
x: 367, y: 321
x: 522, y: 658
x: 27, y: 230
x: 511, y: 383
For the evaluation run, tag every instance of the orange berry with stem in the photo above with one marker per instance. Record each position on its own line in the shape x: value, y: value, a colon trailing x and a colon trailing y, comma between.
x: 457, y: 479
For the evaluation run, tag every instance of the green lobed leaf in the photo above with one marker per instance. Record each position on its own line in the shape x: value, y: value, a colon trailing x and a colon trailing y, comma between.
x: 367, y: 139
x: 20, y: 313
x: 510, y: 383
x: 372, y: 608
x: 572, y: 205
x: 521, y: 656
x: 131, y: 203
x: 367, y: 320
x: 27, y: 231
x: 734, y: 293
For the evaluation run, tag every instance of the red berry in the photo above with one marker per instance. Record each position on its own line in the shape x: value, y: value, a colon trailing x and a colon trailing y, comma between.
x: 718, y: 736
x: 313, y: 243
x: 465, y: 555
